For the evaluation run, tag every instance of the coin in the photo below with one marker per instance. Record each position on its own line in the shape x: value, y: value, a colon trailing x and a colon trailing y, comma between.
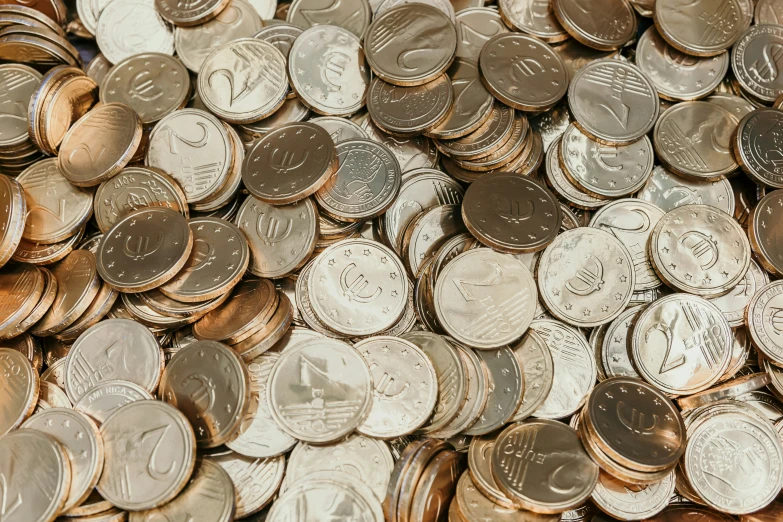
x: 611, y: 346
x: 190, y: 380
x: 55, y: 208
x: 394, y: 39
x: 324, y: 377
x: 753, y: 146
x: 117, y: 129
x: 728, y: 390
x: 188, y: 15
x: 538, y: 369
x: 21, y: 288
x: 209, y: 495
x: 521, y: 80
x: 104, y: 398
x: 554, y: 447
x: 534, y: 18
x: 352, y: 15
x: 255, y: 480
x: 128, y: 28
x: 574, y: 369
x: 150, y: 455
x: 511, y: 213
x: 340, y: 129
x: 476, y: 25
x: 250, y: 305
x: 33, y: 455
x: 470, y: 504
x: 613, y: 102
x: 681, y: 320
x: 669, y: 191
x: 411, y: 153
x: 13, y: 213
x: 630, y: 501
x: 292, y: 110
x: 763, y: 238
x: 485, y: 140
x: 685, y: 250
x: 762, y: 317
x: 606, y: 26
x: 427, y: 231
x: 472, y: 102
x: 412, y: 110
x: 152, y: 84
x: 759, y: 79
x: 20, y: 387
x: 366, y: 183
x: 734, y: 303
x: 504, y: 375
x: 702, y: 37
x: 438, y: 481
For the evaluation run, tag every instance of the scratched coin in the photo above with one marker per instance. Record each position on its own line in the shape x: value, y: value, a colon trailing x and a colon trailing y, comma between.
x: 682, y: 323
x: 320, y: 390
x: 395, y: 39
x: 144, y: 249
x: 101, y: 400
x: 538, y: 369
x: 694, y: 140
x: 669, y: 191
x: 604, y: 26
x: 630, y: 501
x: 261, y: 68
x: 764, y: 237
x: 150, y: 452
x: 613, y: 102
x: 485, y: 299
x: 411, y: 110
x: 534, y: 18
x: 351, y: 15
x: 20, y: 386
x: 754, y: 146
x: 475, y: 26
x: 191, y: 382
x: 700, y: 28
x: 255, y: 480
x: 754, y: 64
x: 699, y: 249
x: 128, y: 28
x: 556, y: 448
x: 513, y: 70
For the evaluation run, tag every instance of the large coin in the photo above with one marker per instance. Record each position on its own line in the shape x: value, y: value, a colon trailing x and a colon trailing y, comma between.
x: 20, y: 387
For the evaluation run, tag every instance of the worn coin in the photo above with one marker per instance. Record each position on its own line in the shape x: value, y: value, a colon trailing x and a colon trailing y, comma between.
x: 128, y: 28
x: 104, y: 398
x: 605, y: 26
x: 700, y: 28
x: 669, y: 191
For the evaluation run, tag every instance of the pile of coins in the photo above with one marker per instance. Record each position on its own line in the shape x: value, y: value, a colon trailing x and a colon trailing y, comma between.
x: 391, y: 260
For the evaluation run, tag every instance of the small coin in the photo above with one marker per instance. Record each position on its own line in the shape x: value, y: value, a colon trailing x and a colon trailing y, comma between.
x: 694, y: 140
x: 113, y: 130
x: 410, y: 27
x: 669, y: 191
x: 630, y: 501
x: 506, y: 384
x: 104, y: 398
x: 683, y: 28
x: 754, y: 146
x: 189, y: 14
x: 190, y: 380
x: 574, y: 369
x: 150, y: 455
x: 324, y: 377
x: 488, y: 138
x: 699, y: 249
x: 20, y: 388
x: 255, y: 480
x: 758, y: 80
x: 475, y: 26
x: 605, y: 26
x: 763, y: 238
x: 264, y: 92
x: 530, y: 86
x: 98, y: 66
x: 678, y: 321
x: 613, y: 102
x: 556, y: 447
x: 165, y: 87
x: 351, y: 15
x: 366, y: 183
x: 33, y: 455
x: 128, y: 28
x: 511, y: 213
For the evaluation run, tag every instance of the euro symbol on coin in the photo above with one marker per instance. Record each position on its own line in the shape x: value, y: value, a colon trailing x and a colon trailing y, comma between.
x: 353, y: 290
x: 637, y: 421
x: 512, y: 210
x: 590, y: 276
x: 287, y: 162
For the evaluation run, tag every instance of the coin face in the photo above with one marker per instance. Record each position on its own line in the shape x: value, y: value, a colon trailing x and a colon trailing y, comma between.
x: 681, y: 321
x: 394, y: 39
x: 439, y: 480
x: 676, y: 24
x: 485, y: 299
x: 259, y: 64
x: 534, y: 18
x: 145, y: 249
x: 513, y: 70
x: 613, y: 102
x: 475, y: 26
x: 411, y: 153
x: 627, y: 501
x: 763, y: 236
x: 20, y: 82
x: 754, y: 144
x: 255, y: 480
x: 351, y: 15
x: 694, y: 140
x: 472, y: 102
x: 185, y: 15
x: 605, y: 26
x: 21, y: 387
x: 556, y: 447
x: 669, y: 191
x: 407, y: 111
x: 101, y: 400
x: 699, y: 249
x: 734, y: 303
x: 128, y: 28
x: 143, y: 472
x: 340, y: 129
x: 366, y: 183
x: 56, y: 209
x: 612, y: 345
x: 251, y: 303
x: 117, y: 129
x: 320, y: 390
x: 754, y: 45
x: 538, y: 369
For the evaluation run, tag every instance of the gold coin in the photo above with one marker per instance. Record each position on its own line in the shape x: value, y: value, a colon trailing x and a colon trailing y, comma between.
x: 438, y: 481
x: 13, y: 212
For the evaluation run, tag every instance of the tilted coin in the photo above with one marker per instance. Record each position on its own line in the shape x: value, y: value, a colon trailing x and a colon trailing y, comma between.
x: 128, y: 28
x: 98, y: 66
x: 669, y: 191
x: 340, y: 129
x: 700, y: 28
x: 475, y: 26
x: 734, y: 303
x: 472, y: 102
x: 191, y: 382
x: 320, y: 390
x: 261, y: 65
x: 694, y: 140
x: 538, y: 369
x: 699, y: 249
x: 554, y: 448
x: 250, y: 305
x: 586, y: 277
x: 612, y: 345
x: 737, y: 105
x: 513, y: 70
x: 767, y: 12
x: 411, y: 110
x: 209, y: 496
x: 351, y: 15
x: 480, y: 466
x: 194, y: 44
x: 104, y: 398
x: 152, y: 84
x: 84, y: 445
x: 471, y: 504
x: 20, y: 387
x: 255, y: 480
x: 115, y: 349
x: 13, y: 213
x: 763, y: 318
x: 605, y: 171
x: 404, y: 496
x: 534, y: 18
x: 409, y: 453
x: 427, y: 231
x: 282, y: 34
x: 630, y: 501
x: 189, y: 14
x: 199, y: 160
x: 395, y: 39
x: 574, y: 369
x: 488, y: 138
x: 605, y: 26
x: 511, y: 213
x: 754, y: 146
x: 100, y: 144
x: 438, y: 481
x: 366, y: 183
x: 576, y: 56
x: 56, y: 209
x: 267, y: 335
x: 445, y: 7
x: 339, y: 89
x: 290, y: 163
x: 764, y: 236
x: 150, y: 455
x: 54, y: 395
x: 506, y: 383
x: 753, y: 61
x: 676, y: 75
x: 411, y: 153
x: 683, y: 323
x: 613, y: 102
x: 32, y: 457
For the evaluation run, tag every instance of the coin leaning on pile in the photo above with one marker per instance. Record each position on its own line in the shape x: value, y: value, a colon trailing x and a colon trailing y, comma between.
x: 401, y: 261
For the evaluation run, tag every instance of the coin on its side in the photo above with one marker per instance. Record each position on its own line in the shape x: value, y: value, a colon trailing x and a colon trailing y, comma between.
x: 251, y: 303
x: 755, y: 144
x: 765, y: 237
x: 150, y: 454
x: 21, y: 288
